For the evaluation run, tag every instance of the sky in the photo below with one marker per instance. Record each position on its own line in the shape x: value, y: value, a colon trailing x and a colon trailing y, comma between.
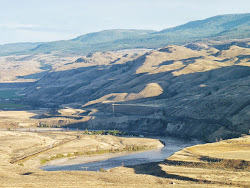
x: 50, y: 20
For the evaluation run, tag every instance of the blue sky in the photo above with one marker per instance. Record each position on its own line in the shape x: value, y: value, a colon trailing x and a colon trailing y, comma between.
x: 49, y: 20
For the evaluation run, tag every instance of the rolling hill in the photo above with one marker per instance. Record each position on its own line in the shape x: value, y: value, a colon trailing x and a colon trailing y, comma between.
x: 198, y: 89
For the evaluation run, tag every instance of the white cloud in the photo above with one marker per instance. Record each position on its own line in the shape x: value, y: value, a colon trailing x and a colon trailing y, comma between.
x: 18, y: 26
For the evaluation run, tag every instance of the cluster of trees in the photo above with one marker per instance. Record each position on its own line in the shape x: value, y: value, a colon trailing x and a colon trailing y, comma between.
x: 48, y: 126
x: 103, y: 132
x: 100, y: 132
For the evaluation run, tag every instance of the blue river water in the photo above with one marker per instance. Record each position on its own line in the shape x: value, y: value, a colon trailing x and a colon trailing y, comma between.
x: 172, y: 145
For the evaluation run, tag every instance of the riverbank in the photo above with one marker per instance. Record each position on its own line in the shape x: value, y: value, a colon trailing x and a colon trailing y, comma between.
x: 173, y: 172
x: 107, y: 161
x: 89, y: 159
x: 30, y: 148
x: 220, y: 164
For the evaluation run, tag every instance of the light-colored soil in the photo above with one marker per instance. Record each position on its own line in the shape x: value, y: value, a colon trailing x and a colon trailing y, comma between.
x: 19, y: 119
x: 151, y: 90
x: 202, y: 60
x: 238, y: 148
x: 14, y: 67
x: 31, y: 119
x: 20, y: 115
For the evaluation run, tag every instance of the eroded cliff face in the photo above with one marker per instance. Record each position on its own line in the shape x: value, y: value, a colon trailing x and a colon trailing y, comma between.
x: 198, y: 90
x: 160, y: 123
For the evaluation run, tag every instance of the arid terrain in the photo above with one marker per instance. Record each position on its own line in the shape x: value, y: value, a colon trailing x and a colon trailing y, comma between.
x: 199, y: 89
x: 22, y: 154
x: 61, y: 100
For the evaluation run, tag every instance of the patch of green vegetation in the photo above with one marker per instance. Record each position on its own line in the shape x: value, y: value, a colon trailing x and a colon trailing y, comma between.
x: 103, y: 132
x: 102, y: 170
x: 10, y: 99
x: 9, y: 94
x: 12, y: 105
x: 114, y: 132
x: 112, y: 150
x: 48, y: 126
x: 43, y: 161
x: 21, y: 164
x: 44, y: 126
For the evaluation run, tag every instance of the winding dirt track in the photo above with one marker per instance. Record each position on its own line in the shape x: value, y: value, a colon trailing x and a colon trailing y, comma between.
x: 46, y: 149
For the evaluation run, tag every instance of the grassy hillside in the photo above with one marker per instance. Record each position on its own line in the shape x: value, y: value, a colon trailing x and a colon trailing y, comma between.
x: 213, y: 25
x: 111, y: 35
x: 99, y: 41
x: 235, y: 26
x: 15, y: 48
x: 232, y: 26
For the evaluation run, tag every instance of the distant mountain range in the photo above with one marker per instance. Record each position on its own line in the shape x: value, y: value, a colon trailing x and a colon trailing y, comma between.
x: 223, y: 27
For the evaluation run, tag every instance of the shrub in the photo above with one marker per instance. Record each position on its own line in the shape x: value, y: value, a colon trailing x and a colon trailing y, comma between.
x: 102, y: 170
x: 58, y: 156
x: 43, y: 161
x: 69, y: 155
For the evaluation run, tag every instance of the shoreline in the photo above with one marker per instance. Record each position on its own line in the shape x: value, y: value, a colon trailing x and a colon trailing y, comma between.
x: 83, y: 159
x: 90, y: 159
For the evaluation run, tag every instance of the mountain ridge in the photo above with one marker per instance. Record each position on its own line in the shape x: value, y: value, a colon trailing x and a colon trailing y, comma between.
x: 229, y: 26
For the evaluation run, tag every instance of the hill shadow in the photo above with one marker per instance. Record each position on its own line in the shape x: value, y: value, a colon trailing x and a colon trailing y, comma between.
x: 85, y: 84
x: 154, y: 169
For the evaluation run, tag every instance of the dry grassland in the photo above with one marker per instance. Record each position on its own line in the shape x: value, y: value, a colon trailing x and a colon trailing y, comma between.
x: 186, y: 168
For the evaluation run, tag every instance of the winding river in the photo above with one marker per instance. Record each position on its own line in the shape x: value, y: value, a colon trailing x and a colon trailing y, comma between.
x: 172, y: 145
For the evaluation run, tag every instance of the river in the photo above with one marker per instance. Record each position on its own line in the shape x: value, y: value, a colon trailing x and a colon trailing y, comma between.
x: 172, y: 145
